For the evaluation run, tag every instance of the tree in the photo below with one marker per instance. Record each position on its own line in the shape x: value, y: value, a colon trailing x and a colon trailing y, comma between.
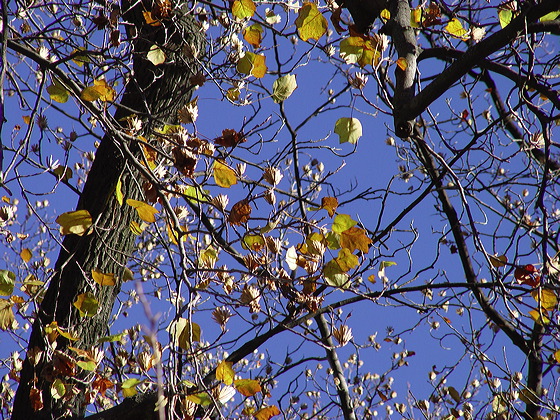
x: 249, y: 262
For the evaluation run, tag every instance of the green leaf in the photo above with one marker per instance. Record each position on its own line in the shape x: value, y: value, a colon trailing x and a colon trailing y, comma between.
x: 550, y: 16
x: 253, y: 242
x: 243, y: 9
x: 283, y: 87
x: 253, y: 64
x: 87, y: 304
x: 88, y: 365
x: 112, y: 338
x: 202, y: 398
x: 334, y: 275
x: 7, y: 282
x: 6, y: 314
x: 183, y: 332
x: 57, y: 92
x: 128, y: 387
x: 348, y: 130
x: 58, y: 389
x: 342, y: 222
x: 505, y: 16
x: 310, y: 23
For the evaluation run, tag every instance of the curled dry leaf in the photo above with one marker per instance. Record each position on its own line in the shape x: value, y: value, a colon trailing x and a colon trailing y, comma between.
x: 240, y: 213
x: 230, y: 138
x: 343, y: 335
x: 184, y: 160
x: 272, y: 175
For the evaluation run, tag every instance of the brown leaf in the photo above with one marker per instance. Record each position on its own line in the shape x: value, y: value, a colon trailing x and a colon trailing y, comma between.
x: 329, y: 204
x: 355, y: 238
x: 184, y: 161
x: 230, y: 138
x: 36, y: 399
x: 240, y: 213
x: 102, y: 385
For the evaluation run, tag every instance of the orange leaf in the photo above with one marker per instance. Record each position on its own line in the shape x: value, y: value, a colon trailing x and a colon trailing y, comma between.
x: 330, y: 204
x: 355, y: 238
x: 266, y: 413
x: 103, y: 279
x: 225, y: 373
x: 247, y: 387
x: 401, y: 62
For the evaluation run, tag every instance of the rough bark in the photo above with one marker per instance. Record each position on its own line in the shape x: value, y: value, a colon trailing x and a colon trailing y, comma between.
x: 154, y: 94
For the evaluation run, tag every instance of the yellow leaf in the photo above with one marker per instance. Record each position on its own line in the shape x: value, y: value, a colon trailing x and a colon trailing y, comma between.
x: 266, y: 413
x: 224, y: 175
x: 401, y: 62
x: 310, y: 23
x: 253, y: 35
x: 7, y: 282
x: 184, y: 333
x: 26, y: 119
x: 6, y: 314
x: 385, y: 15
x: 557, y: 356
x: 539, y: 317
x: 99, y: 90
x: 225, y: 373
x: 253, y: 64
x: 243, y: 9
x: 416, y: 17
x: 346, y: 260
x: 546, y: 298
x: 77, y: 222
x: 87, y: 304
x: 103, y: 279
x: 202, y: 398
x: 247, y: 387
x: 455, y: 28
x: 118, y: 192
x: 128, y: 387
x: 283, y: 87
x: 348, y: 130
x: 137, y: 228
x: 145, y: 211
x: 356, y: 49
x: 25, y: 254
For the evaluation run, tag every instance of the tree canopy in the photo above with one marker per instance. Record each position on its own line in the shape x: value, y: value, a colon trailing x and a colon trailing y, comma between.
x: 266, y: 209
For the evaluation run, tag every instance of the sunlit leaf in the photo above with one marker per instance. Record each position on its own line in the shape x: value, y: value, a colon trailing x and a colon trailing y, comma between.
x: 58, y: 92
x: 137, y: 228
x: 225, y: 373
x: 243, y: 9
x: 416, y: 17
x: 99, y: 90
x: 87, y: 304
x: 118, y: 192
x: 505, y: 16
x: 233, y: 94
x: 550, y: 16
x: 156, y: 56
x: 267, y: 413
x: 202, y: 398
x: 358, y: 50
x: 7, y: 282
x: 401, y: 63
x: 77, y: 222
x: 292, y: 258
x: 79, y: 58
x: 253, y: 242
x: 546, y: 298
x: 184, y: 333
x: 103, y: 279
x: 346, y: 260
x: 247, y: 387
x: 342, y: 222
x: 223, y: 175
x: 310, y: 23
x: 253, y: 64
x: 128, y: 387
x: 348, y: 130
x: 557, y: 356
x: 145, y: 211
x: 253, y: 35
x: 283, y: 87
x: 26, y: 254
x: 6, y: 314
x: 112, y: 338
x: 539, y: 317
x: 208, y: 257
x: 334, y: 275
x: 58, y: 389
x: 385, y: 15
x: 355, y: 238
x: 455, y: 27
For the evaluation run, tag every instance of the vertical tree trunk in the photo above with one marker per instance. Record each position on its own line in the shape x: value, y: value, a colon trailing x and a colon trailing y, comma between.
x: 154, y: 94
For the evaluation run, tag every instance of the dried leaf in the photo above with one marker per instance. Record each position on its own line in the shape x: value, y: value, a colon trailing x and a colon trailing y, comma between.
x: 267, y: 413
x: 230, y: 138
x: 156, y: 56
x: 240, y: 213
x: 247, y: 387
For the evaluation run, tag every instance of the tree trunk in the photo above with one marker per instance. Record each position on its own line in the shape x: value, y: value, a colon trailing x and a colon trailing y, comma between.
x: 154, y: 94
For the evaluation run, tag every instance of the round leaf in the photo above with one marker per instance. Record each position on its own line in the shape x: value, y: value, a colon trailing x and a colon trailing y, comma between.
x: 348, y: 130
